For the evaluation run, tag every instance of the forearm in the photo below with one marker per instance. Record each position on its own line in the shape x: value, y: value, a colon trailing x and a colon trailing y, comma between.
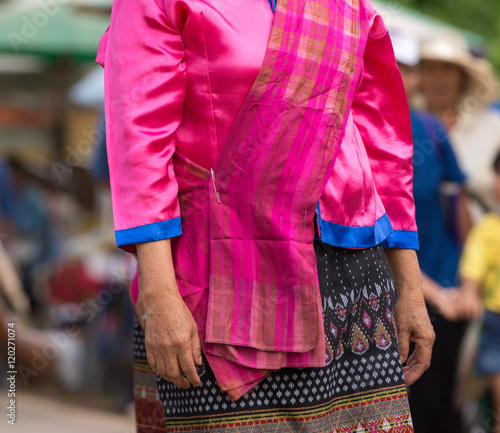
x: 411, y: 316
x: 156, y: 269
x: 406, y: 270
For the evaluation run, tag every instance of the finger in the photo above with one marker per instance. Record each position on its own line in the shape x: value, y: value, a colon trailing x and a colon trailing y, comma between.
x: 155, y: 359
x: 409, y: 368
x: 412, y: 374
x: 188, y: 367
x: 162, y: 370
x: 151, y: 359
x: 196, y: 345
x: 167, y: 378
x: 410, y: 362
x: 174, y: 372
x: 142, y: 322
x: 419, y: 363
x: 404, y: 345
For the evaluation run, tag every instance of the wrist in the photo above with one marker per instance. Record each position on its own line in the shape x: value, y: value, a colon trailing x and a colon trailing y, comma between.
x: 157, y: 292
x: 410, y: 288
x: 411, y: 293
x: 405, y: 269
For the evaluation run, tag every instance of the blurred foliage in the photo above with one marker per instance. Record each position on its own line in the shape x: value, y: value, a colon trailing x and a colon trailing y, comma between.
x: 478, y: 16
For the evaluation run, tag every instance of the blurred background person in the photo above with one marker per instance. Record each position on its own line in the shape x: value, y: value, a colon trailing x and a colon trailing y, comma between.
x: 480, y: 277
x: 459, y: 88
x: 441, y: 230
x: 34, y: 239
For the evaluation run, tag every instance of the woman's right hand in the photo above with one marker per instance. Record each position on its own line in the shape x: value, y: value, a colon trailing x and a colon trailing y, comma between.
x: 172, y: 343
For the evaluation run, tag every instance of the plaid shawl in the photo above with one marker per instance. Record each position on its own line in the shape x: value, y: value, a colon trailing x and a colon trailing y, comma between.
x: 249, y: 235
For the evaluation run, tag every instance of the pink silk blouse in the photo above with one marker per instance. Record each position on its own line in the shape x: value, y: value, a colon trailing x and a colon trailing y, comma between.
x: 176, y: 74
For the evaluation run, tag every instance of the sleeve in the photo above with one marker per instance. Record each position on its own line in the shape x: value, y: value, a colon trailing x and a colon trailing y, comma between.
x: 145, y: 79
x: 381, y: 113
x: 474, y: 259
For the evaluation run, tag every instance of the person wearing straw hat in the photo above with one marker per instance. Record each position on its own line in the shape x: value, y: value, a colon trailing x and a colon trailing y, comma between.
x: 459, y: 89
x: 434, y: 163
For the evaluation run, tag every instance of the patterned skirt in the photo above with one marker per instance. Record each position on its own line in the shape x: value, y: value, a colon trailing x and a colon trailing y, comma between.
x: 361, y: 388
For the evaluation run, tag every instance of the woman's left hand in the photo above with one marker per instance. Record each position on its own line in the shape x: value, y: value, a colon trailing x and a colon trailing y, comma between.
x: 412, y: 319
x: 413, y: 324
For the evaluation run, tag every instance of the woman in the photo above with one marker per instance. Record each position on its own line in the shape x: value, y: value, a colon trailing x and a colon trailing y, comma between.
x: 207, y: 124
x: 459, y: 89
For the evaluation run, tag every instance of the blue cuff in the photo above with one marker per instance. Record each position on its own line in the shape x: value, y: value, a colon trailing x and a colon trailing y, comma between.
x: 126, y: 239
x: 339, y: 235
x: 402, y: 239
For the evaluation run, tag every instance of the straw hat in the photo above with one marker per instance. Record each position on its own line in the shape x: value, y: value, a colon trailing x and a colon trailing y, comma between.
x: 451, y: 47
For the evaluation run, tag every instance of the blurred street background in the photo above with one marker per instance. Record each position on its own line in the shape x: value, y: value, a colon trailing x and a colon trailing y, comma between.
x: 64, y: 296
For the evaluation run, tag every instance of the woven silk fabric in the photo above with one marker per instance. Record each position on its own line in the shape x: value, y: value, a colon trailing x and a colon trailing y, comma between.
x: 262, y: 309
x: 176, y: 75
x: 267, y: 183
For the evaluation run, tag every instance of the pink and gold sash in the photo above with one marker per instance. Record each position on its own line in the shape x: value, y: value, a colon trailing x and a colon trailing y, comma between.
x: 245, y: 263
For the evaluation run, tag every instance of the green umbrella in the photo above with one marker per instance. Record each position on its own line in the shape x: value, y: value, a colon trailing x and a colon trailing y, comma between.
x: 52, y: 29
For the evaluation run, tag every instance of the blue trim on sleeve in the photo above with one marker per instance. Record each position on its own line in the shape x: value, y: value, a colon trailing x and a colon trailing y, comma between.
x: 147, y: 233
x: 402, y: 239
x: 272, y: 3
x: 339, y: 235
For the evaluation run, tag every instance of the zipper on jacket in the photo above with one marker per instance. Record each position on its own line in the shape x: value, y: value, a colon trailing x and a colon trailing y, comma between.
x: 213, y: 182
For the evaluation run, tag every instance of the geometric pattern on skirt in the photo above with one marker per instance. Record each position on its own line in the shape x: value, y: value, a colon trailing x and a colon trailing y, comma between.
x: 148, y: 408
x: 361, y: 389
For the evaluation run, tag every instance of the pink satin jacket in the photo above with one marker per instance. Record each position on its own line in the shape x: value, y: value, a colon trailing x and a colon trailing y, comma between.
x: 177, y: 83
x: 176, y: 74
